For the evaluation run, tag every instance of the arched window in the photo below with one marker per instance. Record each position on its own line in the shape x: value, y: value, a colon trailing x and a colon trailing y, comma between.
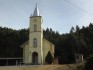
x: 35, y: 42
x: 35, y: 27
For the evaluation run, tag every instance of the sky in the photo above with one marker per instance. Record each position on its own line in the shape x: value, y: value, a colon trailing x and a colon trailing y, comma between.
x: 60, y: 15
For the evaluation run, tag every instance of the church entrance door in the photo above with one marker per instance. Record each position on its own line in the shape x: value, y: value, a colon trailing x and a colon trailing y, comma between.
x: 35, y: 58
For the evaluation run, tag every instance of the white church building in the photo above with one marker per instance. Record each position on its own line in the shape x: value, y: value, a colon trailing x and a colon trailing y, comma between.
x: 36, y: 48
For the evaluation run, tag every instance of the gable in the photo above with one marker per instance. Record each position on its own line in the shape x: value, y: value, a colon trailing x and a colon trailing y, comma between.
x: 48, y: 46
x: 44, y: 40
x: 25, y: 44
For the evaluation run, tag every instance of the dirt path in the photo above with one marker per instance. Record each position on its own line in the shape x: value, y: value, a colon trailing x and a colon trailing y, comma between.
x: 39, y: 67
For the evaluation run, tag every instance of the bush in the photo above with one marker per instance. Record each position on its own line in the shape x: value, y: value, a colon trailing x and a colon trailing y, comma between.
x: 89, y: 63
x: 80, y: 67
x: 49, y: 58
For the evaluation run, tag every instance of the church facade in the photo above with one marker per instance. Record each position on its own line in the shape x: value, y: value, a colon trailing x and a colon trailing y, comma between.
x: 36, y: 48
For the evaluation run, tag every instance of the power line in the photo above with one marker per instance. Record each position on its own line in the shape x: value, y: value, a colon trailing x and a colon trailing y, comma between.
x: 78, y: 7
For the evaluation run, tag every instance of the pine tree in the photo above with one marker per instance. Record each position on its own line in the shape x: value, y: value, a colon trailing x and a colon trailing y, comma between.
x: 49, y: 58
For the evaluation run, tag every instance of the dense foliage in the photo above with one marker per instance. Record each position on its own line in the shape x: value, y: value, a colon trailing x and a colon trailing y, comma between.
x: 77, y: 41
x: 10, y: 40
x: 66, y: 45
x: 49, y: 58
x: 89, y: 63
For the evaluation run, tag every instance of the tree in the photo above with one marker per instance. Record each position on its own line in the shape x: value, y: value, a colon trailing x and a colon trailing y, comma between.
x: 49, y: 58
x: 72, y: 30
x: 77, y: 28
x: 89, y: 63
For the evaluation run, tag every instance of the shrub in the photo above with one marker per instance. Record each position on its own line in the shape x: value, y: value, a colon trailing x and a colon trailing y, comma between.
x: 89, y: 63
x: 49, y: 58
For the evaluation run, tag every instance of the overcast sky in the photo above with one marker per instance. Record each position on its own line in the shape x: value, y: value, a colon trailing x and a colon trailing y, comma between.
x: 60, y: 15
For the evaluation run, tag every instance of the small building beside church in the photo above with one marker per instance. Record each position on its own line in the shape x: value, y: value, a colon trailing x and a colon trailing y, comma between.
x: 36, y: 48
x: 79, y: 58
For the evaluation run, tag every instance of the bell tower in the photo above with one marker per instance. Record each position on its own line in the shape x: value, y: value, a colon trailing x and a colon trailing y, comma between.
x: 35, y: 38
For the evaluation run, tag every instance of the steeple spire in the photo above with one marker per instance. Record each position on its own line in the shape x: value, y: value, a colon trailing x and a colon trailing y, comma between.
x: 36, y: 11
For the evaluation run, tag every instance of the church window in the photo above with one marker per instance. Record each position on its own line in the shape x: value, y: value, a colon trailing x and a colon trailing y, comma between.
x: 35, y: 27
x: 35, y: 42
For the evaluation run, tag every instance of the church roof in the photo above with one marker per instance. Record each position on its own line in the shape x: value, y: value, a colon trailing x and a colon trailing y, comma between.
x: 36, y: 11
x: 48, y: 41
x: 27, y: 42
x: 24, y: 44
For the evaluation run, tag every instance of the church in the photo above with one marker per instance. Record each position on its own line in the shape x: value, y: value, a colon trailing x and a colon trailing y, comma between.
x: 36, y: 48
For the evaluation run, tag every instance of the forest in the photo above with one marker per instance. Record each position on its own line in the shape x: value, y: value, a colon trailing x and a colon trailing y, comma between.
x: 78, y: 40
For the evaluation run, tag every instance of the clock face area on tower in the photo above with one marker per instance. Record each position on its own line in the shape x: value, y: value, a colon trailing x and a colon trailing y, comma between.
x: 35, y: 20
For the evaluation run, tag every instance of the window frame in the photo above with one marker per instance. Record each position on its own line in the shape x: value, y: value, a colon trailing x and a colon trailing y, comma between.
x: 35, y: 42
x: 35, y: 27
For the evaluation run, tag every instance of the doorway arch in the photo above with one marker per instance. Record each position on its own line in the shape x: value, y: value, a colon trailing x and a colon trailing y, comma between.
x: 34, y: 58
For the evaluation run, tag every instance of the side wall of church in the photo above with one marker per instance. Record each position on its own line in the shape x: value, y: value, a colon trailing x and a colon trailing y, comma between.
x: 26, y: 53
x: 46, y: 48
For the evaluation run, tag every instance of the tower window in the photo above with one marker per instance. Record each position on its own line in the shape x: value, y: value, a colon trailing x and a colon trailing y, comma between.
x: 35, y: 27
x: 35, y: 42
